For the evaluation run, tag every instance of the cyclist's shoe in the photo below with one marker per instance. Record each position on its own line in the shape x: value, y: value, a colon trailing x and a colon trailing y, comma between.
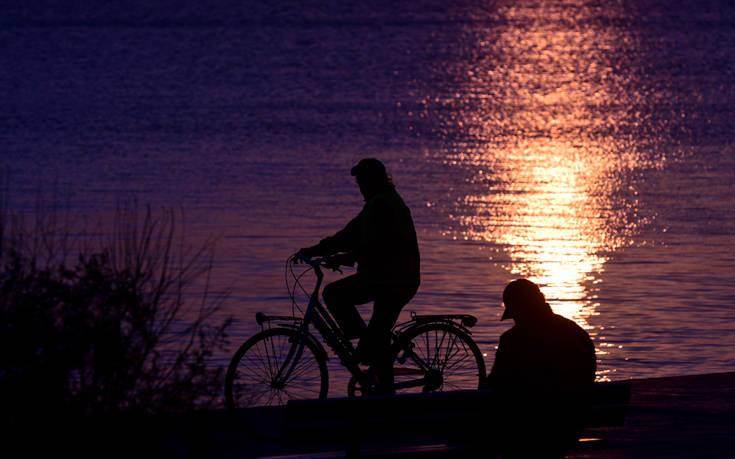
x: 434, y: 381
x: 380, y: 388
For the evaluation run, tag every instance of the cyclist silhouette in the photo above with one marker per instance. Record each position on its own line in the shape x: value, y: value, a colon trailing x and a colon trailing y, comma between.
x: 381, y: 239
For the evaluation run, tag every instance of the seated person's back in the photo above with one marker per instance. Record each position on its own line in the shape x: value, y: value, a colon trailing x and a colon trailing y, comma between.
x: 554, y: 355
x: 544, y: 368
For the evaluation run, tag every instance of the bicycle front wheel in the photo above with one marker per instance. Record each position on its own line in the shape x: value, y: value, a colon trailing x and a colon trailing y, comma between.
x: 255, y: 375
x: 443, y: 354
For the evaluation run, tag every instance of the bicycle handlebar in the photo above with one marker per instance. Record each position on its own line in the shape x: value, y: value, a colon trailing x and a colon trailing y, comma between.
x: 298, y: 256
x: 317, y: 262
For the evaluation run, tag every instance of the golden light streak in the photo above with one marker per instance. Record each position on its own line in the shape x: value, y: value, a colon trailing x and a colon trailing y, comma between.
x: 552, y: 179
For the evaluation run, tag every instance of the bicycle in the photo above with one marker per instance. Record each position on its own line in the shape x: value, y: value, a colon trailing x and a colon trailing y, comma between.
x: 286, y: 361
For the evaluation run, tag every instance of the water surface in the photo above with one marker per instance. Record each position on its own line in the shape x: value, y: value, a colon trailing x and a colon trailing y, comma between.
x: 586, y: 146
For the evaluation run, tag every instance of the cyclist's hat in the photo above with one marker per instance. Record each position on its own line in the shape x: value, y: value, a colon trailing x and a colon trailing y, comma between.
x: 521, y: 293
x: 370, y: 168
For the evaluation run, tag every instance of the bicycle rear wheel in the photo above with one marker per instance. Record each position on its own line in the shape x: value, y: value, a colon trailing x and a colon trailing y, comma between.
x: 252, y: 378
x: 443, y: 354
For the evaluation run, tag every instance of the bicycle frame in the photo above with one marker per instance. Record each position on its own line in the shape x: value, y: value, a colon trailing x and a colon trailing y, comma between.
x: 315, y: 314
x: 332, y: 335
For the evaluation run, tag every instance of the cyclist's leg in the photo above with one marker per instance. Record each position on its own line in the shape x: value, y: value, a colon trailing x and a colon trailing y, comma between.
x: 341, y: 296
x: 375, y: 346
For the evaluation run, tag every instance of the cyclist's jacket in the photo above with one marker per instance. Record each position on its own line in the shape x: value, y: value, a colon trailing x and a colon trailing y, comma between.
x: 382, y: 240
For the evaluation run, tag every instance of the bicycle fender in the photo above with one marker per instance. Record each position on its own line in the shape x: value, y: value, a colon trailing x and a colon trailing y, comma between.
x: 318, y: 346
x: 309, y: 338
x: 452, y: 324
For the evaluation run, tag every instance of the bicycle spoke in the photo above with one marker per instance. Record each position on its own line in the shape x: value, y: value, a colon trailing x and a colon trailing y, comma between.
x: 449, y: 348
x: 262, y: 360
x: 269, y: 360
x: 258, y: 395
x: 443, y: 349
x: 428, y: 349
x: 302, y: 369
x: 272, y: 356
x: 456, y: 362
x: 261, y: 376
x: 438, y: 350
x: 299, y: 392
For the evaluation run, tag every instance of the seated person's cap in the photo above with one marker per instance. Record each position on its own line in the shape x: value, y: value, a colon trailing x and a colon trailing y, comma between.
x: 521, y: 293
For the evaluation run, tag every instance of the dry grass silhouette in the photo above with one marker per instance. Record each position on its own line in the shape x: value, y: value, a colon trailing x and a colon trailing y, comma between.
x: 105, y: 321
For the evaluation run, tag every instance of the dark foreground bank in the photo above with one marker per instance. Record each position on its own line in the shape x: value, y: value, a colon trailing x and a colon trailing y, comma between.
x: 686, y: 416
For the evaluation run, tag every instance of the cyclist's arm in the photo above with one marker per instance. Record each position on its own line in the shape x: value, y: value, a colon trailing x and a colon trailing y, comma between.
x: 345, y: 240
x: 345, y: 259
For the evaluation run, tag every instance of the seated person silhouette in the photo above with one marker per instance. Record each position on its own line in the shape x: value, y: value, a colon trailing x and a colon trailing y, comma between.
x: 544, y: 369
x: 382, y: 240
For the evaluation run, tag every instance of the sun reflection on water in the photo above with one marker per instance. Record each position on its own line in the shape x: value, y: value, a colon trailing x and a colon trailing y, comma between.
x: 546, y: 219
x: 547, y: 142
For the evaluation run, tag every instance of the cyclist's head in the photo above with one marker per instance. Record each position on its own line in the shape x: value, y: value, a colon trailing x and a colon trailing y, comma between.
x: 371, y: 176
x: 523, y: 300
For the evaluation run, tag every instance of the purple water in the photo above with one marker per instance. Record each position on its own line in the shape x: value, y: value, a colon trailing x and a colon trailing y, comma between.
x: 584, y: 145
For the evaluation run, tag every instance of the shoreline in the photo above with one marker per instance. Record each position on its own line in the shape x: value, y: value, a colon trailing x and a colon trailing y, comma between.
x: 668, y: 417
